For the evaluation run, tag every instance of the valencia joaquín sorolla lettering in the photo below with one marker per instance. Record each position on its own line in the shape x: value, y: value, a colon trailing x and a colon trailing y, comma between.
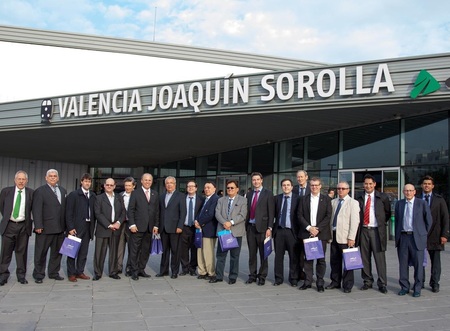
x: 223, y: 93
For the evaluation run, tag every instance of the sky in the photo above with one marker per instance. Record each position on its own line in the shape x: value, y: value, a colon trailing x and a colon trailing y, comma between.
x: 330, y: 31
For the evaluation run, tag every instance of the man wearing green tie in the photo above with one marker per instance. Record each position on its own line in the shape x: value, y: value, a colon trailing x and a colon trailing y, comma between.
x: 15, y: 227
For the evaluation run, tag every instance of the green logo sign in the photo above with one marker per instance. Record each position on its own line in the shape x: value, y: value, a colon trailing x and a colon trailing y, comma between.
x: 425, y: 84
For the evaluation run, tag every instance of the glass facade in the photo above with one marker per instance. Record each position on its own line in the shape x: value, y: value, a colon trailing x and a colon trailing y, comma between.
x: 404, y: 149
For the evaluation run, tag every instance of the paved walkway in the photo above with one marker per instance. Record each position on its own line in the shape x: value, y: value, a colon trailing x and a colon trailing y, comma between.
x: 187, y: 304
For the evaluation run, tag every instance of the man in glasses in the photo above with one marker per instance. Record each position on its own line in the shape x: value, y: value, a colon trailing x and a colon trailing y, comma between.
x: 314, y: 213
x: 375, y: 212
x: 231, y: 212
x: 345, y: 222
x: 412, y: 223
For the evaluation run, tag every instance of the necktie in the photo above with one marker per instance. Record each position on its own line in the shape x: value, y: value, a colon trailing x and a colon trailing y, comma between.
x: 367, y: 211
x: 338, y: 208
x: 427, y: 199
x: 147, y: 195
x: 17, y: 204
x: 284, y: 212
x: 253, y: 206
x: 302, y: 191
x: 230, y: 202
x: 88, y: 213
x: 407, y: 221
x: 191, y: 212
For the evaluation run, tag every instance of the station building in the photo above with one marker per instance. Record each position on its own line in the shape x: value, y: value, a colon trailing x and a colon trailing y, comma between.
x: 389, y: 118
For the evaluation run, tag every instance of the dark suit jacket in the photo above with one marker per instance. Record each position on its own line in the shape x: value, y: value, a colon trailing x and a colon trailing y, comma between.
x: 440, y: 226
x: 421, y: 222
x: 382, y: 213
x: 142, y: 213
x: 76, y: 213
x: 323, y: 216
x: 296, y: 190
x: 48, y: 213
x: 198, y: 205
x: 174, y: 215
x: 7, y: 206
x: 278, y: 202
x: 207, y: 217
x: 103, y: 213
x: 265, y: 210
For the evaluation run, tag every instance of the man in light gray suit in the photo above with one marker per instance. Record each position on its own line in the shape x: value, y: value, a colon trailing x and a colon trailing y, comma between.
x: 231, y: 212
x: 344, y: 223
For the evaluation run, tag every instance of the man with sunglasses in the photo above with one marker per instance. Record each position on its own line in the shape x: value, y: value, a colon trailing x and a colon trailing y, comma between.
x: 231, y: 212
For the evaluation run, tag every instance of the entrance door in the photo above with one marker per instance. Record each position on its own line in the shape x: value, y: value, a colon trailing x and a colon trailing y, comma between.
x: 387, y: 179
x: 241, y: 179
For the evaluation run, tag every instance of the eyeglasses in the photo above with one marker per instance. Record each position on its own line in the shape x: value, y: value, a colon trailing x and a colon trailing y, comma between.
x: 313, y: 185
x: 109, y: 184
x: 231, y: 188
x: 342, y: 188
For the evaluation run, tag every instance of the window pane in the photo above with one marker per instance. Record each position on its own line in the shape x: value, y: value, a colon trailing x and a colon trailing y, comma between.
x: 262, y: 159
x: 323, y: 151
x: 235, y: 162
x: 187, y: 168
x: 426, y: 139
x: 372, y: 146
x: 291, y: 155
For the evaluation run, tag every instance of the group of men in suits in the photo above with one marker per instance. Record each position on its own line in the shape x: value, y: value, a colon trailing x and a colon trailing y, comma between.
x: 299, y: 212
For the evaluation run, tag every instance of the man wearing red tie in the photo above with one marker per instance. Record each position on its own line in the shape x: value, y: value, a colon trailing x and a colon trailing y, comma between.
x: 375, y: 211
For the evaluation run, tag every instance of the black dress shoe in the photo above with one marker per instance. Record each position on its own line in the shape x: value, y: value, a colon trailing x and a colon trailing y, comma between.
x: 382, y: 289
x: 250, y: 280
x: 23, y: 281
x: 114, y: 276
x: 57, y: 277
x: 144, y: 274
x: 3, y: 282
x: 183, y: 273
x: 261, y: 281
x: 192, y: 273
x: 304, y: 287
x: 161, y: 275
x: 38, y: 281
x: 202, y: 276
x: 96, y: 277
x: 277, y: 283
x: 134, y: 277
x: 232, y: 281
x: 435, y: 289
x: 365, y: 287
x: 320, y: 289
x: 128, y: 273
x: 332, y: 286
x: 174, y: 276
x: 294, y: 284
x: 403, y: 292
x: 215, y: 280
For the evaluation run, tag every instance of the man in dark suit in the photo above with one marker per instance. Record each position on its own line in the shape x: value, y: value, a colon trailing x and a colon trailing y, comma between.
x: 345, y: 223
x: 143, y: 221
x: 301, y: 190
x: 412, y: 222
x: 285, y: 234
x: 375, y: 212
x: 129, y: 185
x: 172, y: 217
x: 15, y: 227
x: 207, y: 222
x: 314, y: 213
x: 80, y: 222
x: 231, y: 212
x: 109, y: 214
x: 49, y: 211
x: 187, y: 249
x: 259, y: 222
x: 439, y: 232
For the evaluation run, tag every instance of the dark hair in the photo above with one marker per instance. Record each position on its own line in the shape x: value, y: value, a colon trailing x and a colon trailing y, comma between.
x: 285, y: 180
x: 427, y: 177
x: 331, y: 189
x: 369, y: 176
x: 316, y: 179
x: 129, y: 179
x: 191, y: 181
x: 212, y: 183
x: 86, y: 176
x: 233, y: 181
x: 256, y: 174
